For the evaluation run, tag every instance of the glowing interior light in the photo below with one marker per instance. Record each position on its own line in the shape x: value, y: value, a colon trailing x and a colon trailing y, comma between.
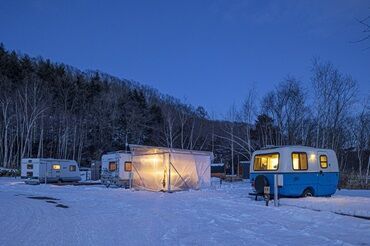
x: 274, y: 163
x: 295, y: 161
x: 154, y: 160
x: 56, y: 167
x: 312, y: 157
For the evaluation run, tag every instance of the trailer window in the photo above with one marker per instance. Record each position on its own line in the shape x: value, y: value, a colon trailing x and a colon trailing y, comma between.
x: 29, y: 166
x: 266, y: 162
x: 128, y: 166
x: 72, y: 168
x: 323, y: 161
x: 56, y: 167
x: 112, y: 166
x: 299, y: 161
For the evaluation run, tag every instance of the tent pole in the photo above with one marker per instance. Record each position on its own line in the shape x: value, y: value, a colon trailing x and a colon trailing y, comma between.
x: 169, y: 172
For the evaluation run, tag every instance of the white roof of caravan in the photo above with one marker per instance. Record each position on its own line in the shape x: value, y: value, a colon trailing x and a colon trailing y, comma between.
x: 47, y: 159
x: 142, y: 149
x: 290, y: 147
x: 285, y: 157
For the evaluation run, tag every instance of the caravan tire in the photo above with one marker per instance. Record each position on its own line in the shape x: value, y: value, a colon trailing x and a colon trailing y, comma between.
x: 260, y: 183
x: 307, y: 193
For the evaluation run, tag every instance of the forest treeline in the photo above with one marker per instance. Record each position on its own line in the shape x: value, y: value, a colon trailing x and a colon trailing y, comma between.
x: 54, y: 110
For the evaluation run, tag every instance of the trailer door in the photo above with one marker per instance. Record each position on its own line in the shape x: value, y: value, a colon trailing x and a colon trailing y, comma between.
x: 56, y: 168
x: 323, y: 176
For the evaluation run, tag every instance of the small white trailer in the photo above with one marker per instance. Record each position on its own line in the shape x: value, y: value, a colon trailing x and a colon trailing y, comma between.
x: 116, y: 169
x: 55, y: 170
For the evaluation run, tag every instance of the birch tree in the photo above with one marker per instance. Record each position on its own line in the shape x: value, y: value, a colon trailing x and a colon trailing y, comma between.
x: 334, y: 96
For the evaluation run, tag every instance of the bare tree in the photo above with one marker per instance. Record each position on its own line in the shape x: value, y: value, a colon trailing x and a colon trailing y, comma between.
x: 5, y: 105
x: 184, y: 119
x: 230, y: 136
x: 169, y: 129
x: 31, y: 107
x: 287, y: 107
x: 335, y: 95
x: 365, y: 23
x: 361, y: 133
x: 248, y: 115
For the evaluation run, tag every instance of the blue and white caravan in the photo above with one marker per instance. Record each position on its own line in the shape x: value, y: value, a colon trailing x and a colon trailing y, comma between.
x: 303, y: 171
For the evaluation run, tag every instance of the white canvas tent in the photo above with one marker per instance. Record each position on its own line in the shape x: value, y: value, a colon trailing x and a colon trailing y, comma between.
x: 165, y: 169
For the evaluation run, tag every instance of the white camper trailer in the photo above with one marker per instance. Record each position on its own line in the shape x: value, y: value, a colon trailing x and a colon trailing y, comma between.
x: 158, y: 168
x: 304, y: 171
x: 54, y: 170
x: 116, y: 169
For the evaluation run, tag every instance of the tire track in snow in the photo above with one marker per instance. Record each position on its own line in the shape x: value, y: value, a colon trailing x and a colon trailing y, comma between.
x: 334, y: 212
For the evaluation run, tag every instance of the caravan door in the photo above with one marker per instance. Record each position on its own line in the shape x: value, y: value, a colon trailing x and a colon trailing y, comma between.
x: 324, y: 184
x: 56, y: 169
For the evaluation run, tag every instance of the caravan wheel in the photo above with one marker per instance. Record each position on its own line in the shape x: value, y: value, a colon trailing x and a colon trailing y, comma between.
x: 307, y: 193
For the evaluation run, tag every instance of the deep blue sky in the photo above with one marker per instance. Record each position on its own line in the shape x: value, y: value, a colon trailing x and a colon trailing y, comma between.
x: 206, y: 52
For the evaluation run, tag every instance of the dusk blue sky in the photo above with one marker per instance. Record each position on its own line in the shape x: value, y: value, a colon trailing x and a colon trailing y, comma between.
x: 208, y: 53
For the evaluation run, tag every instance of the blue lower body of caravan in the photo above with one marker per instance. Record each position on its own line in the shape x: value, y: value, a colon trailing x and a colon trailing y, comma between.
x: 295, y: 184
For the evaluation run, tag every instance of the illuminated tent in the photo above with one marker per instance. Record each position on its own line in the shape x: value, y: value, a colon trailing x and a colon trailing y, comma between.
x: 168, y: 169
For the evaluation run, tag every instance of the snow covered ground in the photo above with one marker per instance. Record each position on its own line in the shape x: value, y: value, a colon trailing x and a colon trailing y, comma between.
x: 344, y: 202
x: 95, y: 215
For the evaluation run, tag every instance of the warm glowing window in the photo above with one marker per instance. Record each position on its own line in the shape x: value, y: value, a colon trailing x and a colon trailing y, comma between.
x: 29, y: 166
x: 299, y: 161
x: 112, y: 166
x: 72, y: 168
x: 323, y: 161
x: 56, y: 167
x: 266, y: 162
x: 128, y: 166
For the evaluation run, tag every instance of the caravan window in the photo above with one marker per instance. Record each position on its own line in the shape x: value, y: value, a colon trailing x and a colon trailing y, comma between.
x: 323, y: 161
x: 112, y: 166
x: 29, y: 166
x: 56, y: 167
x: 128, y: 166
x: 72, y: 168
x: 299, y: 161
x: 266, y: 162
